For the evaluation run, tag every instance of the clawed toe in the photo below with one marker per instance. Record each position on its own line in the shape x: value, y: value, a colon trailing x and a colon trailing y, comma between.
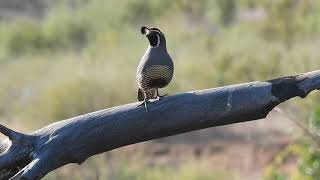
x: 160, y: 97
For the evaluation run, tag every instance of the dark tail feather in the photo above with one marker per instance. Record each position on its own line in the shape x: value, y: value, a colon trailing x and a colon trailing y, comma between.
x: 140, y: 95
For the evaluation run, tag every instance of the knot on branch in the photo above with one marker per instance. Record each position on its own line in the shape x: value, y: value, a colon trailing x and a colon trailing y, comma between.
x: 287, y: 87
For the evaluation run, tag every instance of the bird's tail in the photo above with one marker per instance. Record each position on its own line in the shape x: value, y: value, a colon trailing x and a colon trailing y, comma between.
x: 150, y: 94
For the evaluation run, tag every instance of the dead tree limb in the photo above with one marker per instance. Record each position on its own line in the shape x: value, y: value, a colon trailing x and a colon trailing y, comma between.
x: 32, y: 156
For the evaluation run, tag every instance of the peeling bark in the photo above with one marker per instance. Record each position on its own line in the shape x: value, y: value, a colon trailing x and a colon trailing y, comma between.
x: 27, y: 156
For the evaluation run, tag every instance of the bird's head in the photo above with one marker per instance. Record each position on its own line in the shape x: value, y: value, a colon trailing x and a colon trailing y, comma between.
x: 155, y: 36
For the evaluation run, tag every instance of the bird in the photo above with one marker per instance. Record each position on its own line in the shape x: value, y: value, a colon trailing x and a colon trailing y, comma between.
x: 155, y: 69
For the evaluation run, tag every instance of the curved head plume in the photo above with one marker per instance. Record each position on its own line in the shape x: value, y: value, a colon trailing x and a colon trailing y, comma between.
x: 155, y: 36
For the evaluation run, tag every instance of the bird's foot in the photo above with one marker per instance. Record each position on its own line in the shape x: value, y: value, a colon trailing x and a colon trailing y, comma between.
x: 160, y: 97
x: 144, y: 103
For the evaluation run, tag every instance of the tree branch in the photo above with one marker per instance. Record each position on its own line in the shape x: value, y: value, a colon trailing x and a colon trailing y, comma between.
x: 73, y: 140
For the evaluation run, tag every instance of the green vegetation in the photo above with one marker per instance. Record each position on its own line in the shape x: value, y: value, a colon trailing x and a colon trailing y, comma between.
x: 307, y: 153
x: 82, y: 58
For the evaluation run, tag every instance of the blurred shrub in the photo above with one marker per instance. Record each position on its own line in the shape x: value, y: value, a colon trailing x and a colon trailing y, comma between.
x: 227, y: 11
x: 72, y: 97
x: 287, y: 20
x: 63, y: 28
x: 194, y: 10
x: 25, y: 37
x: 142, y: 11
x: 65, y: 31
x: 275, y: 170
x: 309, y: 167
x: 34, y: 38
x: 306, y: 151
x: 71, y: 90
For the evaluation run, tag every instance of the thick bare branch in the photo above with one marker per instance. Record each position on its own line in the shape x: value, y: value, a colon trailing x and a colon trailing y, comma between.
x: 74, y: 140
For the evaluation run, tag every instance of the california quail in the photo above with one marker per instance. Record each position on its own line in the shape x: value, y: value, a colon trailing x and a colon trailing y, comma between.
x: 155, y: 69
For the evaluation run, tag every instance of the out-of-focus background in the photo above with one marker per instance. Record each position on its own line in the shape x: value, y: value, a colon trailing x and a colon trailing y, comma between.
x: 64, y: 58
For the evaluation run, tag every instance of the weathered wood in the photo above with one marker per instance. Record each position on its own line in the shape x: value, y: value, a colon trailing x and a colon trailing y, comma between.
x: 74, y: 140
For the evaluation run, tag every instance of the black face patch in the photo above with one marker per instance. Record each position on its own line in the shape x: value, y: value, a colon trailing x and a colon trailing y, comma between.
x: 153, y: 39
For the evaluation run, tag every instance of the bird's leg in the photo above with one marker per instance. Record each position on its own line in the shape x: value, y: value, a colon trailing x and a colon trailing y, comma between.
x: 158, y: 95
x: 145, y: 103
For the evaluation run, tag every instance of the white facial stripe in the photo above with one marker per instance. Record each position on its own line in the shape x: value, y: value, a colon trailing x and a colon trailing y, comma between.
x: 158, y: 40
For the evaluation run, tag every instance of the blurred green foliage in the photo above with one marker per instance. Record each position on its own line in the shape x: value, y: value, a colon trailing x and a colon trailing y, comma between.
x: 227, y: 11
x: 290, y: 20
x: 82, y: 56
x: 307, y: 153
